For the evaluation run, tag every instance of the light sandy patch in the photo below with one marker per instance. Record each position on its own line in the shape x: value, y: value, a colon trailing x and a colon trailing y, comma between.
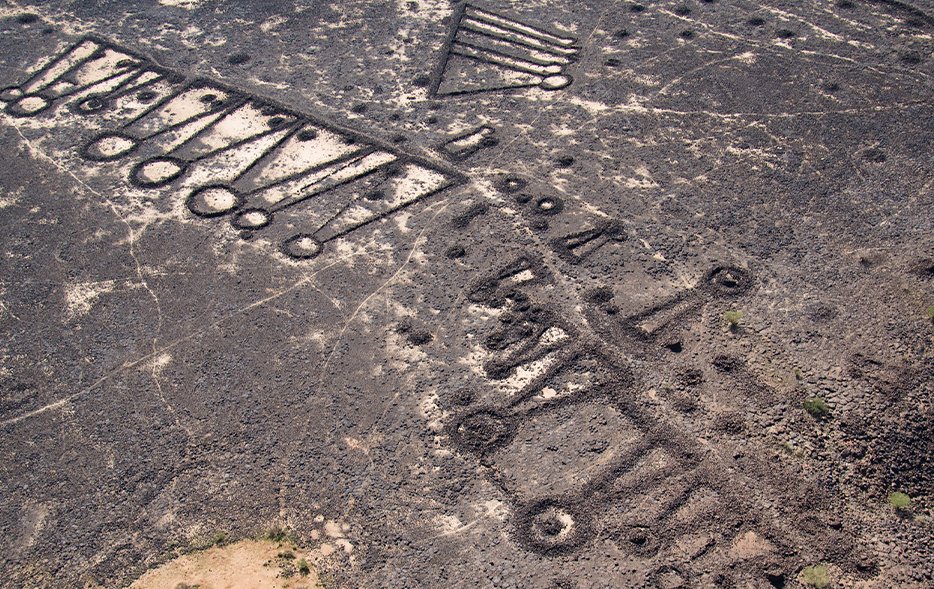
x: 448, y: 524
x: 750, y: 545
x: 8, y: 199
x: 80, y: 297
x: 272, y: 23
x: 189, y: 4
x: 160, y: 362
x: 34, y: 516
x: 250, y: 564
x: 591, y: 106
x: 523, y: 375
x: 642, y: 180
x: 431, y: 411
x: 356, y: 444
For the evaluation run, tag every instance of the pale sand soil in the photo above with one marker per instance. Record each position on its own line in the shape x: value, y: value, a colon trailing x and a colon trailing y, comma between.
x: 250, y: 564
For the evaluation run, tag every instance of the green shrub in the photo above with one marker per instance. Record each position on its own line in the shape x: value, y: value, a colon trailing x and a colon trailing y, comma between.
x: 899, y: 500
x: 816, y: 576
x: 790, y: 449
x: 210, y: 540
x: 303, y: 568
x: 930, y: 312
x: 276, y: 534
x: 817, y: 407
x: 732, y: 318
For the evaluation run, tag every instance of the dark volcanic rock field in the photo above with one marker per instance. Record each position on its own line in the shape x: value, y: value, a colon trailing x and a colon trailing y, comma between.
x: 549, y: 294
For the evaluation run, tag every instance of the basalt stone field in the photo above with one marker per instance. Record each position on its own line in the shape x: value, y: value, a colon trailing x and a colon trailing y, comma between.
x: 492, y: 294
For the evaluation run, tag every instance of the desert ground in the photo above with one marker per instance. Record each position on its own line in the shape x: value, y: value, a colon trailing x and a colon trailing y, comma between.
x: 490, y: 294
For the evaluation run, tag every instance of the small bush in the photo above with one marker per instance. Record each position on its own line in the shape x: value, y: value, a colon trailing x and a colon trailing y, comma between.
x: 277, y: 534
x: 790, y: 449
x: 899, y: 500
x: 733, y: 318
x: 303, y: 568
x: 816, y: 576
x: 817, y: 408
x: 210, y: 541
x: 929, y: 312
x: 287, y: 555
